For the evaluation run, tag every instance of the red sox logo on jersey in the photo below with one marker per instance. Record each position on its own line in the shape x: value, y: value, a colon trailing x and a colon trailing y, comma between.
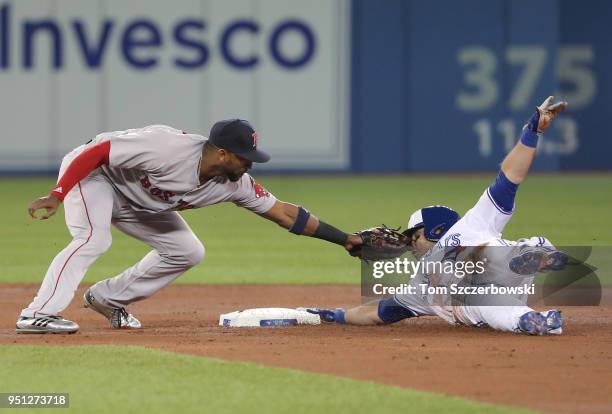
x: 260, y: 191
x: 157, y: 192
x: 183, y: 205
x: 255, y: 139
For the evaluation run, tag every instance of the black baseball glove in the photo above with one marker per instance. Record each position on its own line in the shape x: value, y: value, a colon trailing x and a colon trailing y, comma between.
x: 380, y: 243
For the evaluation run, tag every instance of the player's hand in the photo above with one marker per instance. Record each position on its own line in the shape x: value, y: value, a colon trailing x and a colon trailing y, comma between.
x: 352, y: 244
x: 328, y: 315
x: 49, y: 203
x: 548, y: 111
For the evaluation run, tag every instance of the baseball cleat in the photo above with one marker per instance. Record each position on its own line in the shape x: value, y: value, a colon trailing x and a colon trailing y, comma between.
x: 555, y: 261
x: 119, y: 318
x: 45, y: 324
x: 533, y: 323
x: 554, y: 322
x: 534, y: 260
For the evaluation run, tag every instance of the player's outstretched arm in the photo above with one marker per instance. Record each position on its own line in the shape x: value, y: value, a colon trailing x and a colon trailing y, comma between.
x: 300, y: 221
x: 517, y: 163
x: 378, y: 312
x: 360, y: 315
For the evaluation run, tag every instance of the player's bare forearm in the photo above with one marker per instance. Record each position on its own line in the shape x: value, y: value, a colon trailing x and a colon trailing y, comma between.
x: 300, y: 221
x: 517, y: 163
x: 363, y: 315
x: 284, y: 214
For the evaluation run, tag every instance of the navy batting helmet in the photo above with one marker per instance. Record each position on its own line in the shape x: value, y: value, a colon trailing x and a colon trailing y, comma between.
x: 436, y: 220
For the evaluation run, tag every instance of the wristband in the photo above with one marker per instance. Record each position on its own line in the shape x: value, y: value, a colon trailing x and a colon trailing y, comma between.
x: 339, y: 316
x: 330, y: 233
x: 530, y: 138
x: 300, y: 221
x: 530, y: 134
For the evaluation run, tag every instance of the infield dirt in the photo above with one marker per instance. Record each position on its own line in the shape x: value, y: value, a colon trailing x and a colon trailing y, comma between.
x: 568, y: 373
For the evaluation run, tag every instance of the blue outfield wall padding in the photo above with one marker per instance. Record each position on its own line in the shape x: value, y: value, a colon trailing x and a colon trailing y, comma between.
x: 377, y: 103
x: 587, y: 26
x: 447, y: 85
x: 529, y: 25
x: 441, y: 131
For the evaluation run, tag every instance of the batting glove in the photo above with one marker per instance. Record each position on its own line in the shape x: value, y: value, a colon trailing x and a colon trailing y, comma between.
x: 329, y: 315
x: 544, y: 115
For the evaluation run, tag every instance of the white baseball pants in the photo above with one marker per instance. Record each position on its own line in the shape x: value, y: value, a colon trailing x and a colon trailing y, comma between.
x: 501, y: 318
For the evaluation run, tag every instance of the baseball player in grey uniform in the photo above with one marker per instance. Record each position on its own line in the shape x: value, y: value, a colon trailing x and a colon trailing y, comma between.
x: 439, y: 235
x: 137, y: 180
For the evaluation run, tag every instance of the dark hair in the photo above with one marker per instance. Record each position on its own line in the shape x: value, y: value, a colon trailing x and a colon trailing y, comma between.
x: 209, y: 147
x: 410, y: 232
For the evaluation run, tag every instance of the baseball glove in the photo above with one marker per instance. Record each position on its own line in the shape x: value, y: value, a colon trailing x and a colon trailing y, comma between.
x: 380, y: 243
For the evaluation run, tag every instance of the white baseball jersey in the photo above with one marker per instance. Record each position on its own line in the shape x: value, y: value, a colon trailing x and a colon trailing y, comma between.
x: 156, y: 168
x: 482, y: 225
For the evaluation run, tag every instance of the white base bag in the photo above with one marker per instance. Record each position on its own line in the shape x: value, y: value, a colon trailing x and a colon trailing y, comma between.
x: 265, y: 317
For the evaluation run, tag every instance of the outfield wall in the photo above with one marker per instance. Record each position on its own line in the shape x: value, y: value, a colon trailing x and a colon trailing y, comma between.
x: 447, y: 85
x: 70, y: 69
x: 362, y: 85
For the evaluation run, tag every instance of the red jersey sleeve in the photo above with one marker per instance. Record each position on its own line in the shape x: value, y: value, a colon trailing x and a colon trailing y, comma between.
x: 87, y: 161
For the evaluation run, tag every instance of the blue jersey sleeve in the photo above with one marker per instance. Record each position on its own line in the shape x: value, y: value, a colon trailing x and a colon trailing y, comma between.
x: 502, y: 193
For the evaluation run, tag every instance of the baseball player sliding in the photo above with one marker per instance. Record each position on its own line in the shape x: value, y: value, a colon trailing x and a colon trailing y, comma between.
x: 438, y: 234
x: 137, y: 180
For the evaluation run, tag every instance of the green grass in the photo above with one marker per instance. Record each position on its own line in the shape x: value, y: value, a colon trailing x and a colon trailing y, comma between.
x: 243, y: 248
x: 108, y: 379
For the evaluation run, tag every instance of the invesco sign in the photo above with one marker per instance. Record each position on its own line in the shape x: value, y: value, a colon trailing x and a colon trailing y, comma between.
x: 141, y: 40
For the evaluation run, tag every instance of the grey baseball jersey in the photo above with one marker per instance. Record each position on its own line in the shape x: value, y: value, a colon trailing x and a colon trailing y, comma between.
x: 156, y: 169
x: 152, y: 172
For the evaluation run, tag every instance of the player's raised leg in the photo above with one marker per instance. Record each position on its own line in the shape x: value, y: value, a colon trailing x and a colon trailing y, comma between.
x: 91, y: 236
x: 176, y: 250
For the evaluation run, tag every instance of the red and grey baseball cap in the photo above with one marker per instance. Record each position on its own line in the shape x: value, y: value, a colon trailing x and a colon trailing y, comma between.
x: 238, y: 136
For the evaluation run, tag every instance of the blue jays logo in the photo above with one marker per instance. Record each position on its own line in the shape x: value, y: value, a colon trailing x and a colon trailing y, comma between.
x: 453, y: 240
x: 438, y: 230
